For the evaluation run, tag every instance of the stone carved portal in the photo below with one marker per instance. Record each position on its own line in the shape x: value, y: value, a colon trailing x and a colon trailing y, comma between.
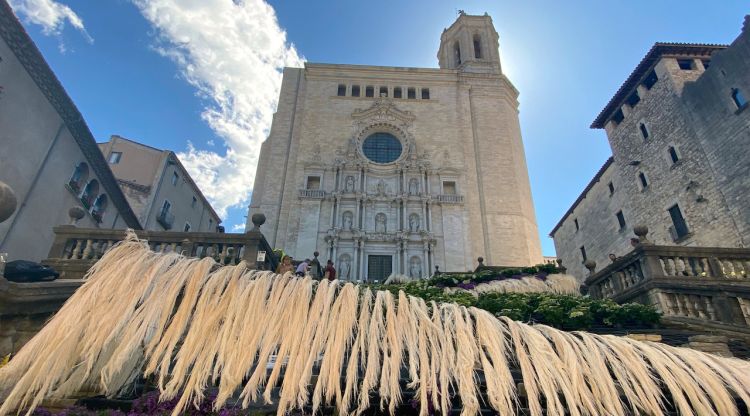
x: 415, y: 267
x: 380, y: 223
x: 345, y: 267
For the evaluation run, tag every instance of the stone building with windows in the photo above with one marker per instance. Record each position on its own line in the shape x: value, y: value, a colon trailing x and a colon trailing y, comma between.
x: 679, y: 129
x: 161, y: 192
x: 49, y: 157
x: 399, y: 170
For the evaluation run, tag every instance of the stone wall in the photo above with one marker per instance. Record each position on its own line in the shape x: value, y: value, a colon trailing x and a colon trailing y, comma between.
x: 691, y: 111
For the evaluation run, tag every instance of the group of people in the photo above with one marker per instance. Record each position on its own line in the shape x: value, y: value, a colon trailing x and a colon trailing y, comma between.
x: 307, y: 267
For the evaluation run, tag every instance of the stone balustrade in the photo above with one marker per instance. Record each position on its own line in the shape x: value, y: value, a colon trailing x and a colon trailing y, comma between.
x: 693, y: 284
x: 74, y: 249
x: 450, y: 199
x: 312, y: 193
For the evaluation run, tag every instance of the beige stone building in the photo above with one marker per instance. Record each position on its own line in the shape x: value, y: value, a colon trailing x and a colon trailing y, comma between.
x: 48, y: 155
x: 399, y: 170
x: 679, y: 129
x: 161, y: 192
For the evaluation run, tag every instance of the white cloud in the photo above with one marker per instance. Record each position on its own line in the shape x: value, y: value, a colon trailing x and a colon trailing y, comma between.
x: 232, y: 52
x: 50, y: 15
x: 237, y: 228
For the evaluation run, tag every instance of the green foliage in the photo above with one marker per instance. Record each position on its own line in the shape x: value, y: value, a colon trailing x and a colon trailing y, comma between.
x: 488, y: 275
x: 560, y: 311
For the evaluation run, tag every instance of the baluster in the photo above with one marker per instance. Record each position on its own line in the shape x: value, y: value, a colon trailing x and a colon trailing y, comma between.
x: 699, y: 306
x: 710, y: 307
x: 728, y: 268
x: 668, y: 266
x: 671, y: 301
x: 77, y: 249
x: 216, y: 251
x: 663, y: 264
x: 173, y: 248
x: 745, y: 308
x: 689, y: 266
x: 739, y: 268
x: 681, y: 310
x: 87, y: 250
x: 679, y: 265
x: 705, y: 266
x: 224, y: 253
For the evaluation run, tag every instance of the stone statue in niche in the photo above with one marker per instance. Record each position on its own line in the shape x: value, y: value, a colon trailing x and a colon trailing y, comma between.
x: 381, y: 188
x: 414, y: 223
x: 380, y: 221
x: 349, y: 187
x: 415, y: 268
x: 347, y: 220
x: 345, y: 267
x: 413, y: 186
x: 412, y: 150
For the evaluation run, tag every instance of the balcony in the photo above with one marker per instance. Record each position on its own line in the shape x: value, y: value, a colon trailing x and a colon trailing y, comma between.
x: 703, y: 286
x: 312, y: 193
x: 166, y: 219
x: 450, y: 199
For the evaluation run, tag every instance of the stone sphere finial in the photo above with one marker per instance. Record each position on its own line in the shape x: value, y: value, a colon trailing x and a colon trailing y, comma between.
x: 641, y: 231
x: 480, y: 260
x: 591, y: 265
x: 560, y: 266
x: 75, y: 214
x: 8, y: 201
x: 258, y: 220
x: 316, y: 254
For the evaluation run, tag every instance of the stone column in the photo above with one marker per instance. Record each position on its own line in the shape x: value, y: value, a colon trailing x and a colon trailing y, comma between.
x: 425, y: 251
x: 333, y: 208
x: 334, y: 244
x: 362, y: 261
x: 428, y: 217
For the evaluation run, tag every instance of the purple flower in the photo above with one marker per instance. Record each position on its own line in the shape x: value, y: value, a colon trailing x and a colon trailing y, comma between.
x: 541, y: 276
x: 517, y: 276
x: 467, y: 286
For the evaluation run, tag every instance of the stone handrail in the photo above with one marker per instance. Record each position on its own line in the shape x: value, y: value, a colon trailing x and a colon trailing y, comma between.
x: 86, y: 245
x: 694, y: 283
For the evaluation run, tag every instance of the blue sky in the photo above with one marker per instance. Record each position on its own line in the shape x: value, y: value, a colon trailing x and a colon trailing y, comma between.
x: 200, y: 77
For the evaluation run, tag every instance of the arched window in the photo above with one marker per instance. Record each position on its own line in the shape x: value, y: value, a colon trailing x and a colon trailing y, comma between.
x: 79, y: 176
x: 644, y: 131
x: 100, y: 205
x: 89, y: 193
x: 457, y: 53
x: 477, y: 47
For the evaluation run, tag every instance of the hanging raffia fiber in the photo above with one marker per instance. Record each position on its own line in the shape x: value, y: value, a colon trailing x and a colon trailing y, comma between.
x: 193, y: 325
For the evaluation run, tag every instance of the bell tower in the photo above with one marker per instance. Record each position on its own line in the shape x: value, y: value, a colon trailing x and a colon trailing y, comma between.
x: 470, y: 44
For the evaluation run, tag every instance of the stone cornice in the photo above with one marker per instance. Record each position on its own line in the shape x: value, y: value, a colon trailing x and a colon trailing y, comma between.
x: 23, y: 47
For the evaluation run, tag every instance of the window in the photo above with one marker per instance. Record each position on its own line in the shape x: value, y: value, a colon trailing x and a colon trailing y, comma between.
x: 644, y: 130
x: 583, y: 254
x: 114, y: 157
x: 175, y: 178
x: 355, y: 90
x: 706, y: 63
x: 685, y: 64
x: 100, y: 205
x: 477, y: 47
x: 739, y: 100
x: 457, y: 53
x: 369, y: 91
x: 642, y: 179
x: 425, y: 93
x: 650, y: 80
x: 79, y: 177
x: 633, y: 99
x: 342, y: 90
x: 89, y: 193
x: 195, y: 201
x: 611, y: 187
x: 165, y: 208
x: 397, y: 92
x: 673, y: 154
x: 680, y: 226
x: 575, y: 221
x: 618, y: 116
x: 210, y: 224
x: 449, y: 188
x: 620, y: 219
x: 383, y: 91
x: 313, y: 182
x: 382, y: 148
x: 187, y: 227
x: 411, y: 93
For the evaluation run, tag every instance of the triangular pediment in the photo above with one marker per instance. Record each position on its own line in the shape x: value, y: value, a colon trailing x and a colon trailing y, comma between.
x: 383, y: 109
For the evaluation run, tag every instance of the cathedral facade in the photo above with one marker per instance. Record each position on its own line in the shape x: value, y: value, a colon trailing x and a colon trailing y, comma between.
x: 399, y: 170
